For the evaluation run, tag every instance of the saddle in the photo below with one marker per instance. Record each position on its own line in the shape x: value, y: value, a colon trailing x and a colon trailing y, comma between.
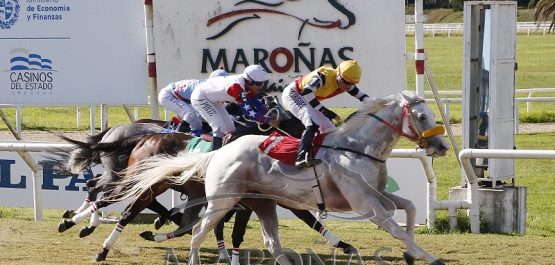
x: 284, y: 148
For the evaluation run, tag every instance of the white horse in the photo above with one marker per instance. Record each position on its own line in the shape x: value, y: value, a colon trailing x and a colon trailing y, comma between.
x: 352, y: 177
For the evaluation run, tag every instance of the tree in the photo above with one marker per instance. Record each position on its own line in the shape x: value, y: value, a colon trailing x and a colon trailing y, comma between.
x: 457, y: 5
x: 544, y: 11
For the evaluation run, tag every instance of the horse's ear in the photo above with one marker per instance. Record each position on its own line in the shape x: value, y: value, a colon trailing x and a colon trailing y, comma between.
x: 408, y: 95
x: 411, y: 97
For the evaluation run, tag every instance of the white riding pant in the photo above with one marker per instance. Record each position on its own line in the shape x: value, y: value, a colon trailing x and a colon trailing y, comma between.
x: 213, y: 112
x: 180, y: 107
x: 300, y: 108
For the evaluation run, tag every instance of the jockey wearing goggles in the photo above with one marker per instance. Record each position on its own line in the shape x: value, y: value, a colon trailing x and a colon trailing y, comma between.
x: 176, y: 97
x: 241, y: 88
x: 302, y: 98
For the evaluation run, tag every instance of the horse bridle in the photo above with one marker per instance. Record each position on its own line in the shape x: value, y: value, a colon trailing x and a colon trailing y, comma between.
x: 417, y: 136
x: 420, y: 138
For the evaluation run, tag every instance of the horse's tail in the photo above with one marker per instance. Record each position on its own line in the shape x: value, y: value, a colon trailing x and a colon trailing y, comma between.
x: 121, y: 147
x: 94, y: 139
x: 80, y: 157
x: 164, y: 168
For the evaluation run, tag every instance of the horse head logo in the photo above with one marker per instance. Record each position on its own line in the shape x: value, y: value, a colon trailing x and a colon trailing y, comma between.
x: 340, y: 16
x: 9, y: 12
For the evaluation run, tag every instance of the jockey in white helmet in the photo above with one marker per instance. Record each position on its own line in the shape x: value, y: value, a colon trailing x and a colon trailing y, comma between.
x: 241, y: 88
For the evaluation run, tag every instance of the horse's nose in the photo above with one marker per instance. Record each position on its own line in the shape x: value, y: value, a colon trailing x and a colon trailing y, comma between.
x: 442, y: 149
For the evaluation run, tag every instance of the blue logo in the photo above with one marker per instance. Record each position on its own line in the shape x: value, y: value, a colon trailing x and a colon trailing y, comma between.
x: 9, y: 12
x: 30, y: 72
x: 23, y: 60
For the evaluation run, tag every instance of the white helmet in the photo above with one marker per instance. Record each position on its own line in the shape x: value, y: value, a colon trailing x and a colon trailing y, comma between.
x: 255, y: 73
x: 218, y: 72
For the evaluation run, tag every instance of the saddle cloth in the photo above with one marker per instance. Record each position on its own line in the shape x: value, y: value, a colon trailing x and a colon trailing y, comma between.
x: 198, y: 145
x: 284, y: 148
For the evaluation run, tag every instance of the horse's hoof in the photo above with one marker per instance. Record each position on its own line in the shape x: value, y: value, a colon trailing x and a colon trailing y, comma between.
x: 65, y: 225
x: 408, y: 258
x: 85, y: 231
x: 99, y: 257
x: 147, y: 235
x: 437, y: 262
x: 158, y: 223
x: 102, y: 255
x: 350, y: 250
x: 68, y: 214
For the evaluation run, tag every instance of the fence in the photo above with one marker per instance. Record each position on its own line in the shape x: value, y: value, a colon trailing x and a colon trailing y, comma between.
x: 458, y: 28
x: 446, y: 101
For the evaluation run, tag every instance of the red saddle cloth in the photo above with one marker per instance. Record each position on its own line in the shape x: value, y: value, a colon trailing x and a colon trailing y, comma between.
x: 284, y: 148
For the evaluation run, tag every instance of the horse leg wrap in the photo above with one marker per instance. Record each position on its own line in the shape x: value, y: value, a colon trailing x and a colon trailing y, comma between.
x: 334, y: 241
x: 235, y: 256
x: 95, y: 219
x: 222, y: 250
x: 111, y: 240
x: 78, y: 218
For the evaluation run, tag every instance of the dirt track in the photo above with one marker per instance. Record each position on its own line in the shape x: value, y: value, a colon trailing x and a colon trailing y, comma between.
x: 81, y: 135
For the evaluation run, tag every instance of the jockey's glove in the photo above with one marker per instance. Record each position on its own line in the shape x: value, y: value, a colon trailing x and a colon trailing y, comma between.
x: 328, y: 113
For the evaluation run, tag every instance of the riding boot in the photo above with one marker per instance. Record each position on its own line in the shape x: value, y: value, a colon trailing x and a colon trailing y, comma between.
x: 304, y: 153
x: 183, y: 126
x: 216, y: 143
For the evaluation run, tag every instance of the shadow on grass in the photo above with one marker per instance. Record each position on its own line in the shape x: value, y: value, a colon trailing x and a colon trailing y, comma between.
x: 463, y: 226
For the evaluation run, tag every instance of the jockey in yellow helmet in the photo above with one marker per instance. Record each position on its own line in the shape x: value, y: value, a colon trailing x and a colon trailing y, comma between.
x: 302, y: 98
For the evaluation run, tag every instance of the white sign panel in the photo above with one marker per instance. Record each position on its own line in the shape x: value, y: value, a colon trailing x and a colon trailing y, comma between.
x: 63, y: 52
x: 58, y: 192
x: 406, y: 179
x: 288, y: 38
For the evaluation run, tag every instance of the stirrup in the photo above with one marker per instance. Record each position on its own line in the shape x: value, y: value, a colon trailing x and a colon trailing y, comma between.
x: 307, y: 162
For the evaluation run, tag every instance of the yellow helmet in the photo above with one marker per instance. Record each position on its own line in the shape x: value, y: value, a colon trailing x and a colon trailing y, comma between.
x: 350, y: 71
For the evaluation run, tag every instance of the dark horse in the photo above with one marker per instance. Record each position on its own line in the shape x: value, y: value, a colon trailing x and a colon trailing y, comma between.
x: 84, y: 156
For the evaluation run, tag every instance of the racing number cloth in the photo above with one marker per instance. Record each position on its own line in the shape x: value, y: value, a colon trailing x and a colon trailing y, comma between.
x: 284, y: 148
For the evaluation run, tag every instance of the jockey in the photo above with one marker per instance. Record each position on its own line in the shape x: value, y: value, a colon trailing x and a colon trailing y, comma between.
x: 176, y: 97
x: 302, y: 98
x: 241, y: 88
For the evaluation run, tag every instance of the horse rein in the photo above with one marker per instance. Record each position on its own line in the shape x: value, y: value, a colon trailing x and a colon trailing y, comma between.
x: 352, y: 151
x: 417, y: 136
x: 267, y: 115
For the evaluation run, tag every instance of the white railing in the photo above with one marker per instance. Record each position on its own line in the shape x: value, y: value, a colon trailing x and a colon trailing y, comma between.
x: 466, y: 154
x: 447, y: 101
x: 448, y: 28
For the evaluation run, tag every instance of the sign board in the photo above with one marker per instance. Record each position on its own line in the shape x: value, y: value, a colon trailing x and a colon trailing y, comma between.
x: 288, y: 38
x: 64, y: 52
x: 58, y: 192
x: 407, y: 179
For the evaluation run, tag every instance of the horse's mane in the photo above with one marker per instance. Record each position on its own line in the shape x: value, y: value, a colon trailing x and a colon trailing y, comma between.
x: 360, y: 117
